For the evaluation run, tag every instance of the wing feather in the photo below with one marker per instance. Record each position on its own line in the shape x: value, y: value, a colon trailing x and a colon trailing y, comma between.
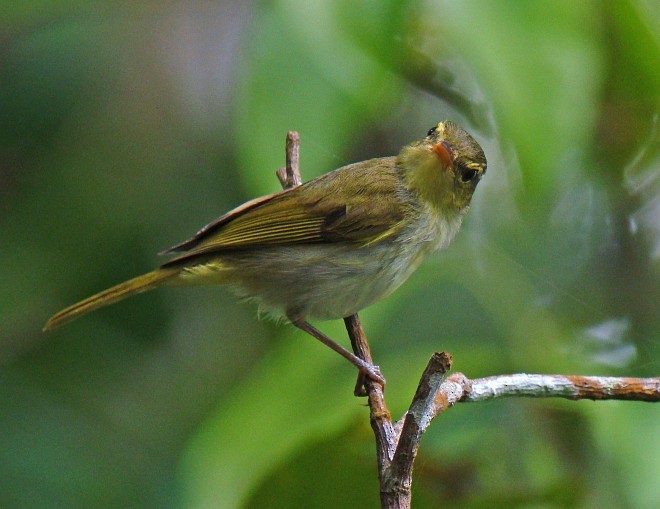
x: 309, y: 214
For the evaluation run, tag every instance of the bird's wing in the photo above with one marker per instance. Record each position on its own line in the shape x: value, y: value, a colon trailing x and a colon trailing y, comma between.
x: 357, y: 206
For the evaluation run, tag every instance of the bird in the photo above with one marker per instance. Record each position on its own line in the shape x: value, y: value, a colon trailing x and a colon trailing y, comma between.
x: 329, y: 247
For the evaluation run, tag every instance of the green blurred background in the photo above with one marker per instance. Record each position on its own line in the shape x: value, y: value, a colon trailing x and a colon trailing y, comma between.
x: 125, y: 126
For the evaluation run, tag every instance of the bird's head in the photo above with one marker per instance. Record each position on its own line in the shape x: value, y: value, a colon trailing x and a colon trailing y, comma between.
x: 444, y: 168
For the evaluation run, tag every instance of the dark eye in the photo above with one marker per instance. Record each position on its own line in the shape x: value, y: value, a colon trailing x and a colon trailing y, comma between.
x: 468, y: 175
x: 432, y: 130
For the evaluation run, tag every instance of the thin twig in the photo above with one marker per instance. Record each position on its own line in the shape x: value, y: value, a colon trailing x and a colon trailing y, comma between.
x: 381, y: 420
x: 290, y: 175
x: 361, y: 348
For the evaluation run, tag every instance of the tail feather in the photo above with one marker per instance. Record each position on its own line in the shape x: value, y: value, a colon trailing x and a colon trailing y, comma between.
x: 139, y: 284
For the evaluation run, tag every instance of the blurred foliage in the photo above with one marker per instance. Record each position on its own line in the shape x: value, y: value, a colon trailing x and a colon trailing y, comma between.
x: 125, y: 126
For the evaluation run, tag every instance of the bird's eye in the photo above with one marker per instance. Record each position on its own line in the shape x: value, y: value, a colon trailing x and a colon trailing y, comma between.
x: 432, y: 130
x: 468, y: 175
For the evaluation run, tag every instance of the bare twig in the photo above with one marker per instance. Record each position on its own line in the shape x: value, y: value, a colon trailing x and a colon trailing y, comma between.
x: 458, y: 388
x: 290, y: 175
x: 397, y: 482
x: 397, y: 444
x: 381, y: 420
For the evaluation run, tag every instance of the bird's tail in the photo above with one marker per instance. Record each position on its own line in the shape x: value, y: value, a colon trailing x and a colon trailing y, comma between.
x: 111, y: 295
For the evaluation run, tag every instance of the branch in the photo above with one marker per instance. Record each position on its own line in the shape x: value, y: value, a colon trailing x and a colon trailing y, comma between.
x: 458, y: 388
x: 435, y: 395
x: 387, y: 437
x: 397, y: 480
x: 290, y: 176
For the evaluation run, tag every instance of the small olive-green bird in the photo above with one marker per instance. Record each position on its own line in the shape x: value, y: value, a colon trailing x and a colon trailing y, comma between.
x: 332, y: 246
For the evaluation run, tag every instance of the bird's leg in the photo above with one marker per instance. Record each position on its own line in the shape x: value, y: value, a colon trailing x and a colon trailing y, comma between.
x: 361, y: 349
x: 367, y: 369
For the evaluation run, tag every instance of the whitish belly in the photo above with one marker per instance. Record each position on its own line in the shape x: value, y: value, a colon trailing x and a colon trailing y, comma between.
x: 322, y: 281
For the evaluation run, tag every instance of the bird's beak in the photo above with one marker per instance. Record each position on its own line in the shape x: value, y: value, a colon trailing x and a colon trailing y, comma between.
x: 444, y: 152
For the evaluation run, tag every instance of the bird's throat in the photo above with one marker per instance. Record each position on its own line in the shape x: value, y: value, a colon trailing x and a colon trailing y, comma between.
x: 424, y: 174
